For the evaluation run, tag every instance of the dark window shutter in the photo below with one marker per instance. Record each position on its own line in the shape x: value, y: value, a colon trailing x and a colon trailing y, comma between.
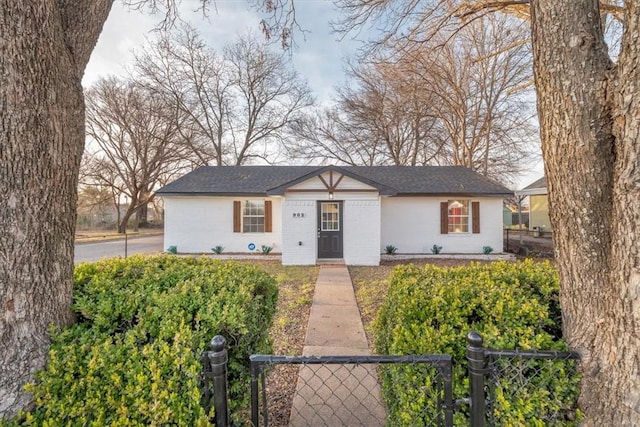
x: 444, y: 217
x: 267, y: 216
x: 475, y: 217
x: 237, y: 219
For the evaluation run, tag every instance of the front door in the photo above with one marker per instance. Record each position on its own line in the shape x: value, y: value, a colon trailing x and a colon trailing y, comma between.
x: 330, y: 229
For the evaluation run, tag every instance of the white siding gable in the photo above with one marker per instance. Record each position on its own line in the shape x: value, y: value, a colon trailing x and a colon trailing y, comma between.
x: 344, y: 183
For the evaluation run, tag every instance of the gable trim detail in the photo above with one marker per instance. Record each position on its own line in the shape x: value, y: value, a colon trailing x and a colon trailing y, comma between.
x: 331, y: 185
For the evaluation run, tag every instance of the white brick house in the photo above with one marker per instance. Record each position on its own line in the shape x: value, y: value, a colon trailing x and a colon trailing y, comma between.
x: 310, y: 213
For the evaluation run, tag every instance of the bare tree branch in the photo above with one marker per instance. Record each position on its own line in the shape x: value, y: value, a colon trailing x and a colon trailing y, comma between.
x: 237, y: 103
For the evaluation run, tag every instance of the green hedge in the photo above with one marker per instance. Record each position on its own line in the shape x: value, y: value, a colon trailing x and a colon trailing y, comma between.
x: 430, y: 310
x: 133, y: 356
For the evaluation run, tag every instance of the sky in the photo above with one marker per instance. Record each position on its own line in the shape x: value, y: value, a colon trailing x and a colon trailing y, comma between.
x: 319, y: 56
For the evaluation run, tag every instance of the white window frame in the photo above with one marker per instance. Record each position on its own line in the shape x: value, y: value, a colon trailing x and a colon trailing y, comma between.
x: 335, y: 221
x: 250, y: 227
x: 452, y: 224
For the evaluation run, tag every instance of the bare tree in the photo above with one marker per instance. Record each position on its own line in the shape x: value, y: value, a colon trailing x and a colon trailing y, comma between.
x: 326, y: 136
x: 138, y: 133
x: 461, y: 103
x: 415, y: 22
x: 94, y: 201
x: 97, y: 173
x: 180, y: 66
x: 238, y: 104
x: 379, y: 118
x: 478, y: 83
x: 270, y: 94
x: 588, y: 109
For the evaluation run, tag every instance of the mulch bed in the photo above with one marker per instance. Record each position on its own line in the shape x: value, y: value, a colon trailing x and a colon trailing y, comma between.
x: 288, y: 334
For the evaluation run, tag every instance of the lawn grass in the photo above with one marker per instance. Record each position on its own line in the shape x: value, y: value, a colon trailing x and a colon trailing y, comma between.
x: 91, y: 236
x: 370, y: 285
x: 296, y: 285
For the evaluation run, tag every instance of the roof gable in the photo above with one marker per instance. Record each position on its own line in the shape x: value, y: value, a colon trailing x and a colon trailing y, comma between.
x: 540, y: 183
x: 331, y: 177
x: 538, y: 187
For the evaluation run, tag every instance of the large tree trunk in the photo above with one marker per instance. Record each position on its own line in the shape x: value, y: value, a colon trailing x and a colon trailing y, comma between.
x: 124, y: 219
x: 589, y: 116
x: 142, y: 216
x: 45, y: 47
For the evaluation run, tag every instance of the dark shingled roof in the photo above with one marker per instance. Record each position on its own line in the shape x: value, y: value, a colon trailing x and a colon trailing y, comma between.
x: 541, y: 183
x: 432, y: 180
x: 390, y: 180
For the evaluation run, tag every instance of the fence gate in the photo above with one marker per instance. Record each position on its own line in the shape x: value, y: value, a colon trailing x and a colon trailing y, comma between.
x: 345, y: 390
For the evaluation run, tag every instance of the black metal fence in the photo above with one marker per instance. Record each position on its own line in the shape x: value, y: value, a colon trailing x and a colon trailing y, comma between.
x: 345, y: 390
x: 527, y: 376
x: 214, y: 381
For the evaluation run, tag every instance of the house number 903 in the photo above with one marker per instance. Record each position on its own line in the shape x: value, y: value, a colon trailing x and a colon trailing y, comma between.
x: 298, y: 215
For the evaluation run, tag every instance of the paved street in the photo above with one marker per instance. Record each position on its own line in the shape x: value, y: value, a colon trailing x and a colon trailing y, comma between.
x: 86, y: 252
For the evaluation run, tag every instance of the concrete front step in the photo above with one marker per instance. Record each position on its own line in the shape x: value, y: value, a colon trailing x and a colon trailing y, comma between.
x: 330, y: 261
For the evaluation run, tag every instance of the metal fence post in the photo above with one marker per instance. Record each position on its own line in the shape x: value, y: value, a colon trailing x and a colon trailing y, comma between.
x: 476, y: 362
x: 507, y: 248
x: 255, y: 402
x: 218, y: 361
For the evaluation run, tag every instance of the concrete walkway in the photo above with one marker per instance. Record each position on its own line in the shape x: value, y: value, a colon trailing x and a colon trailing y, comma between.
x: 336, y: 395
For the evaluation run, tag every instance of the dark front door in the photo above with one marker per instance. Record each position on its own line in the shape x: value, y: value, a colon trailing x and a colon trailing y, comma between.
x: 330, y: 229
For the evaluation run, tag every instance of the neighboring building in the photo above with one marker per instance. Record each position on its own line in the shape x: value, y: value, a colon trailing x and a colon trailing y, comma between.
x: 507, y: 217
x: 514, y: 214
x: 310, y: 213
x: 538, y: 205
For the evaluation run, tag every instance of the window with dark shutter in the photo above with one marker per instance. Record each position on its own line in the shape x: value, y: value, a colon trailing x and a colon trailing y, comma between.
x: 252, y: 216
x: 459, y: 216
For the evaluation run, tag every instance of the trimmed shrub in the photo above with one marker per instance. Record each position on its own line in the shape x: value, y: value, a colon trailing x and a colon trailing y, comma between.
x: 133, y: 356
x: 430, y: 310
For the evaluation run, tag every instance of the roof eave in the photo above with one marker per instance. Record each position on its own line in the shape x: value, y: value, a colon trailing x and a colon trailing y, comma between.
x: 210, y: 193
x: 532, y: 192
x: 453, y: 194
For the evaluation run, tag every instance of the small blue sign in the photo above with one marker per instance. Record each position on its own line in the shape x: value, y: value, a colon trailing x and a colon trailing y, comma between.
x: 252, y: 246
